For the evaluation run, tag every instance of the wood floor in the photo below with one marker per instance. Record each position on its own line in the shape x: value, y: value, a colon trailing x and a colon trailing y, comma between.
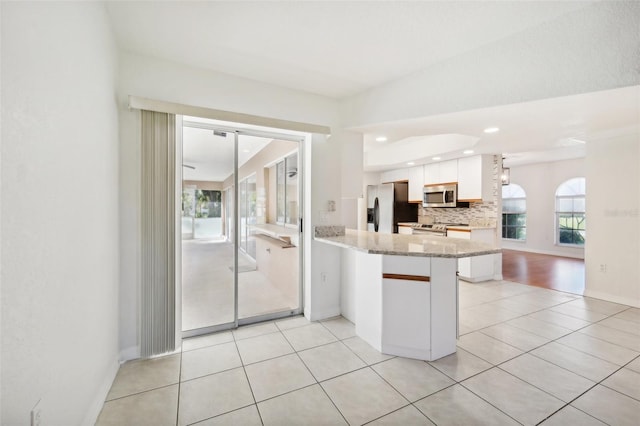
x: 541, y: 270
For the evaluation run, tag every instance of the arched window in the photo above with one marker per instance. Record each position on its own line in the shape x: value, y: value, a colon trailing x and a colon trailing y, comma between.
x: 570, y: 212
x: 514, y: 212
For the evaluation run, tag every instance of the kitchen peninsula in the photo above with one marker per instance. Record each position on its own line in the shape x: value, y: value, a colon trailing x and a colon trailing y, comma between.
x: 401, y: 291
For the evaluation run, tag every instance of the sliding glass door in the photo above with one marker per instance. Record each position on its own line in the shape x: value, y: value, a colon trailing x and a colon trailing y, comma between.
x: 269, y: 255
x: 208, y: 247
x: 242, y: 251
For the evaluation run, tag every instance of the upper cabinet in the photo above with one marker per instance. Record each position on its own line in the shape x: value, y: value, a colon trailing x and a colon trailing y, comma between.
x: 442, y: 172
x: 475, y: 178
x: 416, y: 183
x: 399, y: 175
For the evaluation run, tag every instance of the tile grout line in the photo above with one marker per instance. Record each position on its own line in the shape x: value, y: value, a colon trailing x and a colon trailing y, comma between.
x: 499, y: 366
x: 244, y: 370
x: 599, y: 383
x: 179, y: 388
x: 489, y: 402
x: 528, y: 352
x: 319, y: 385
x: 595, y: 383
x: 315, y: 378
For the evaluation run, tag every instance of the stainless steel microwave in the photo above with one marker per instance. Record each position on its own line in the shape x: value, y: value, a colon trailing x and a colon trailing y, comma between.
x: 445, y: 195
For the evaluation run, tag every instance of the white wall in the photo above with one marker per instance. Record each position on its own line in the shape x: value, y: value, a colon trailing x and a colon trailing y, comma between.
x: 351, y: 161
x: 540, y: 182
x: 613, y: 219
x: 156, y: 79
x: 591, y: 49
x: 322, y: 296
x: 59, y: 211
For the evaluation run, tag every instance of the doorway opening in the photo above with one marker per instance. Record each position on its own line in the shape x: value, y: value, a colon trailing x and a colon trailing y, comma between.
x: 240, y: 213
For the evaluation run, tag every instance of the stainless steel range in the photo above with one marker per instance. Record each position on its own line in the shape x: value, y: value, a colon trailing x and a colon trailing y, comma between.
x: 432, y: 229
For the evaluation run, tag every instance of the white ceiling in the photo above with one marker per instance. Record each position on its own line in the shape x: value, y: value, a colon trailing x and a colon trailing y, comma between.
x: 209, y: 157
x: 331, y: 48
x: 338, y: 48
x: 530, y: 132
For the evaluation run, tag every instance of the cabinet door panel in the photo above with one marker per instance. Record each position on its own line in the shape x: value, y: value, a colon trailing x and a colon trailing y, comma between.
x: 416, y: 183
x: 448, y: 171
x: 470, y: 178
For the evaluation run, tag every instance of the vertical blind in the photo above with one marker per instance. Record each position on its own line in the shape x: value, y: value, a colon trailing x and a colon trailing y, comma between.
x: 158, y: 300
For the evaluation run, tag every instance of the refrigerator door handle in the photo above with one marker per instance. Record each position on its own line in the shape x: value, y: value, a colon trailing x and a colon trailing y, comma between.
x: 376, y: 215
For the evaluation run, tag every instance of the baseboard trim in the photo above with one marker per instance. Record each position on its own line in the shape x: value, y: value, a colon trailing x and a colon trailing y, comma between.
x: 475, y: 280
x: 609, y: 298
x: 547, y: 252
x: 96, y: 406
x: 130, y: 353
x: 407, y: 352
x: 316, y: 315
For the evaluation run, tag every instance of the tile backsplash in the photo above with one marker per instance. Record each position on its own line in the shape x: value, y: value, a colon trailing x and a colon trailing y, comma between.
x: 478, y: 214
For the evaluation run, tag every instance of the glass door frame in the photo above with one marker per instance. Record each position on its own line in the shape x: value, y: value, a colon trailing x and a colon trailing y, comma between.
x: 237, y: 132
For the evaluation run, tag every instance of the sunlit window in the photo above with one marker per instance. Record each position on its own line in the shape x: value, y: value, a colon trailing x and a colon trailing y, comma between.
x: 287, y: 190
x: 570, y: 212
x: 514, y: 213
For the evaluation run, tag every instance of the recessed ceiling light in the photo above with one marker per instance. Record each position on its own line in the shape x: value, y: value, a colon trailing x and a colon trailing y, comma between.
x: 245, y: 150
x: 381, y: 139
x: 468, y: 151
x: 436, y: 158
x: 491, y: 130
x: 411, y: 163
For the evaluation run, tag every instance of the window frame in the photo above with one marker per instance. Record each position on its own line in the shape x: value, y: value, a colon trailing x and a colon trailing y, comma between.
x: 573, y: 213
x: 505, y: 226
x: 282, y: 173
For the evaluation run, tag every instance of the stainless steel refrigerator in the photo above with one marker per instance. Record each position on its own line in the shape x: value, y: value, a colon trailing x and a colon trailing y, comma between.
x: 388, y: 204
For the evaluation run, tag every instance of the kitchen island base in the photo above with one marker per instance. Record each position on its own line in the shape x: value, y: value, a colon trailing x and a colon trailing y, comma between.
x: 402, y: 305
x: 401, y: 291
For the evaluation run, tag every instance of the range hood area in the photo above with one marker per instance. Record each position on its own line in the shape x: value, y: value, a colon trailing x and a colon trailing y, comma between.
x: 442, y: 196
x: 474, y: 179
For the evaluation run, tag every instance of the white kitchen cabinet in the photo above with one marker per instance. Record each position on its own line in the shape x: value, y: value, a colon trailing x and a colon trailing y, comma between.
x: 398, y: 175
x: 431, y: 173
x: 406, y: 230
x: 465, y: 235
x: 442, y: 172
x: 416, y: 184
x: 475, y: 178
x: 448, y: 171
x: 477, y: 268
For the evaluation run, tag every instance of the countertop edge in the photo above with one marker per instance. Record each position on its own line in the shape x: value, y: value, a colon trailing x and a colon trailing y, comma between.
x: 407, y: 253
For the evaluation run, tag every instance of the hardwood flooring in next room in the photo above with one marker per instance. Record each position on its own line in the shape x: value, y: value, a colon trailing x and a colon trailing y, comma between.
x: 542, y: 270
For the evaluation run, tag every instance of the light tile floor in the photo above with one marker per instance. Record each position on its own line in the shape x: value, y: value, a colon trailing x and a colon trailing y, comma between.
x: 527, y: 356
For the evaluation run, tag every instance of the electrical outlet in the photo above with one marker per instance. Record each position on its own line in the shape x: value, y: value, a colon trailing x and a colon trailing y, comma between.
x: 36, y: 415
x: 603, y: 267
x: 323, y: 277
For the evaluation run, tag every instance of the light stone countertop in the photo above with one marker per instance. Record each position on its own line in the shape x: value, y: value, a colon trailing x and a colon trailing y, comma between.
x: 409, y: 245
x: 277, y: 231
